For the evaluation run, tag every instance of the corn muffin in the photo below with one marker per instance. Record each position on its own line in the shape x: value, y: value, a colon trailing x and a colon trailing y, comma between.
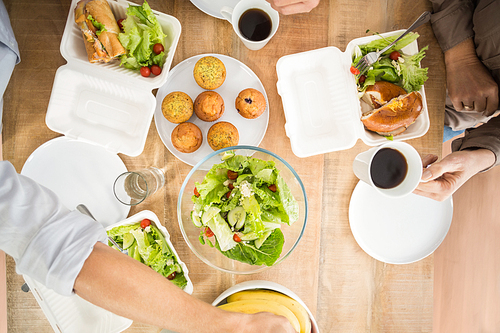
x: 250, y: 103
x: 209, y: 106
x: 222, y: 135
x: 209, y: 72
x: 177, y: 107
x: 186, y: 137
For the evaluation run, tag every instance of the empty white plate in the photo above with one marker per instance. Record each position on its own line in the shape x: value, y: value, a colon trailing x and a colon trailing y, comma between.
x: 79, y: 173
x: 398, y: 230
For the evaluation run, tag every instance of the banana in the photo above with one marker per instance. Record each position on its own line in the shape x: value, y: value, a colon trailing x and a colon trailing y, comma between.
x: 298, y: 310
x: 261, y: 305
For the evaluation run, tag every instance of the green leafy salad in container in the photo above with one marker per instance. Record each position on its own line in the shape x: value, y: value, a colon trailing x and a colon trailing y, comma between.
x: 146, y: 243
x: 144, y: 40
x: 393, y: 66
x: 240, y: 207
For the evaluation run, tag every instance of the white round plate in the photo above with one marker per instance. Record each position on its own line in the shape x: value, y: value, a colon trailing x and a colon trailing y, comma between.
x: 213, y: 7
x: 238, y: 77
x: 398, y: 230
x: 79, y: 173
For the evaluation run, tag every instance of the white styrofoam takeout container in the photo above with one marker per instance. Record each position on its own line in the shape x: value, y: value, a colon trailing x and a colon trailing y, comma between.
x: 261, y: 284
x: 73, y: 314
x: 147, y: 214
x: 321, y: 103
x: 104, y: 103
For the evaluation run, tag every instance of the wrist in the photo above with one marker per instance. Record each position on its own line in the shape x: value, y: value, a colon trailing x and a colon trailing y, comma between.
x: 483, y: 159
x: 461, y: 54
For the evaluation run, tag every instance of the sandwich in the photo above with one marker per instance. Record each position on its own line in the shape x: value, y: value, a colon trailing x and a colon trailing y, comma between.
x: 99, y: 29
x: 394, y: 117
x: 381, y: 93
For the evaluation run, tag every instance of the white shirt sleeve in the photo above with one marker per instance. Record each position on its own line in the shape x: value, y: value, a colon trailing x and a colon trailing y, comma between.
x: 48, y: 242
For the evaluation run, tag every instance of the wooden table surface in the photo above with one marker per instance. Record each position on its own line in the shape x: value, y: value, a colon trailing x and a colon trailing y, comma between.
x: 347, y: 290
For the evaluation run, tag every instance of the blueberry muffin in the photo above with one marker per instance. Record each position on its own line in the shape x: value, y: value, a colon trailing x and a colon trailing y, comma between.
x: 209, y: 72
x: 186, y: 137
x: 222, y: 135
x: 250, y: 103
x: 209, y: 106
x: 177, y: 107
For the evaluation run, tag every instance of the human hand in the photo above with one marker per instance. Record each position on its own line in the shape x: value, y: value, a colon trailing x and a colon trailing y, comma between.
x: 442, y: 179
x: 288, y: 7
x: 265, y: 322
x: 470, y: 85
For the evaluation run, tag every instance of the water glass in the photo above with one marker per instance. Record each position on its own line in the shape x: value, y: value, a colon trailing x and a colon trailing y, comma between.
x: 133, y: 187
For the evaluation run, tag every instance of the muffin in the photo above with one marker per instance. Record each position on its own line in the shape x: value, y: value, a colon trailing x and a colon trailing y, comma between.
x: 186, y: 137
x: 209, y: 72
x: 209, y: 106
x: 250, y: 103
x: 222, y: 135
x: 177, y: 107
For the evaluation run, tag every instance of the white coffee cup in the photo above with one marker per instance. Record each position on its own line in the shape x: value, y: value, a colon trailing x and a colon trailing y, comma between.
x: 233, y: 15
x: 363, y: 163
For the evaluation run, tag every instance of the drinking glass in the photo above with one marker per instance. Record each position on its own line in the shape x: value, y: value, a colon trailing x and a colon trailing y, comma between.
x: 133, y: 187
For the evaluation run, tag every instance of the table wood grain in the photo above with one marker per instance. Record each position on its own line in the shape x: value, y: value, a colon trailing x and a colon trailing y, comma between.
x: 346, y: 289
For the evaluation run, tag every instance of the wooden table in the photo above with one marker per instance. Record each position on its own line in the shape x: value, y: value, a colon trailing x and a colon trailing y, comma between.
x: 346, y: 289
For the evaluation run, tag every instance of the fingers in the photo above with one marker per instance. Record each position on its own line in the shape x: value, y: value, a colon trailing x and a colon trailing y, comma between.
x: 288, y: 7
x: 429, y: 159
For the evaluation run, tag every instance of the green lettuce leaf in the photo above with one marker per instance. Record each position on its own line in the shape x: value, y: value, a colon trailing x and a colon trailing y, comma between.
x: 267, y: 254
x: 414, y: 76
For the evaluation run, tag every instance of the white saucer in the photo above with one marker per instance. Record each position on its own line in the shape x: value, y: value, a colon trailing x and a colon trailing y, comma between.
x: 398, y: 230
x: 79, y: 173
x: 238, y: 77
x: 213, y: 7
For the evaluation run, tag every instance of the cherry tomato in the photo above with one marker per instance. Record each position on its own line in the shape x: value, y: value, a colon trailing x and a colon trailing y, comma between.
x: 208, y: 232
x: 196, y: 193
x: 228, y: 194
x: 172, y: 276
x: 272, y: 187
x: 158, y: 48
x: 236, y: 238
x: 354, y: 70
x: 120, y: 25
x: 156, y: 70
x: 395, y: 55
x: 232, y: 175
x: 145, y: 223
x: 362, y: 79
x: 145, y: 71
x: 231, y: 186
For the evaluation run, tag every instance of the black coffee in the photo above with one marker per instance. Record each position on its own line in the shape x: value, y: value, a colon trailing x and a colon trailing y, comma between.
x: 388, y: 168
x: 255, y: 25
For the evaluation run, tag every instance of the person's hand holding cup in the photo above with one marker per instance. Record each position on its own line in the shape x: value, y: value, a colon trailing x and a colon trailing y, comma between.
x: 254, y: 21
x: 394, y: 169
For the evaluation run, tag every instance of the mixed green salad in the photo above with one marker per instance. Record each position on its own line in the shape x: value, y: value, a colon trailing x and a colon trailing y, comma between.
x: 145, y: 243
x: 240, y: 206
x: 143, y: 37
x: 393, y: 66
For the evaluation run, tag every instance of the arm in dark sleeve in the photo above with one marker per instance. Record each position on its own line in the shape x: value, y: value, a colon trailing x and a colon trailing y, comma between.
x: 486, y: 136
x: 452, y: 21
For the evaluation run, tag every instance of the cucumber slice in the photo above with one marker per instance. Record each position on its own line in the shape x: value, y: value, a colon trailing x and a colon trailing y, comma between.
x: 258, y: 243
x: 248, y: 237
x: 195, y: 217
x: 227, y: 155
x: 209, y: 214
x: 237, y: 216
x: 128, y: 240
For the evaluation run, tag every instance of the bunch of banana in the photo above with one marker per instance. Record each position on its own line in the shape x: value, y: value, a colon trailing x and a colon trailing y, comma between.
x: 260, y: 300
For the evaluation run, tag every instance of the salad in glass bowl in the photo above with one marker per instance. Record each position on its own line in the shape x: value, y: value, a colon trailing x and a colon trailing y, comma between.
x: 242, y: 209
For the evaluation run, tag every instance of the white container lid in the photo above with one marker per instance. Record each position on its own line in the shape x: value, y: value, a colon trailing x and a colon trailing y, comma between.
x: 104, y: 103
x: 321, y: 103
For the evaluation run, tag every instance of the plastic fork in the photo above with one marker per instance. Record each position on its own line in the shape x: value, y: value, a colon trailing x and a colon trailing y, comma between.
x: 370, y: 58
x: 84, y: 210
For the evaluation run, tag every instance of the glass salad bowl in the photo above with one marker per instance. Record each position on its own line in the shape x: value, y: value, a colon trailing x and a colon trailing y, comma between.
x: 248, y: 212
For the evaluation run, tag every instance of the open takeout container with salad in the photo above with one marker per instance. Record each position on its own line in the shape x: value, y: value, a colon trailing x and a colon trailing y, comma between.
x: 242, y: 209
x: 105, y: 103
x: 321, y: 101
x: 148, y: 242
